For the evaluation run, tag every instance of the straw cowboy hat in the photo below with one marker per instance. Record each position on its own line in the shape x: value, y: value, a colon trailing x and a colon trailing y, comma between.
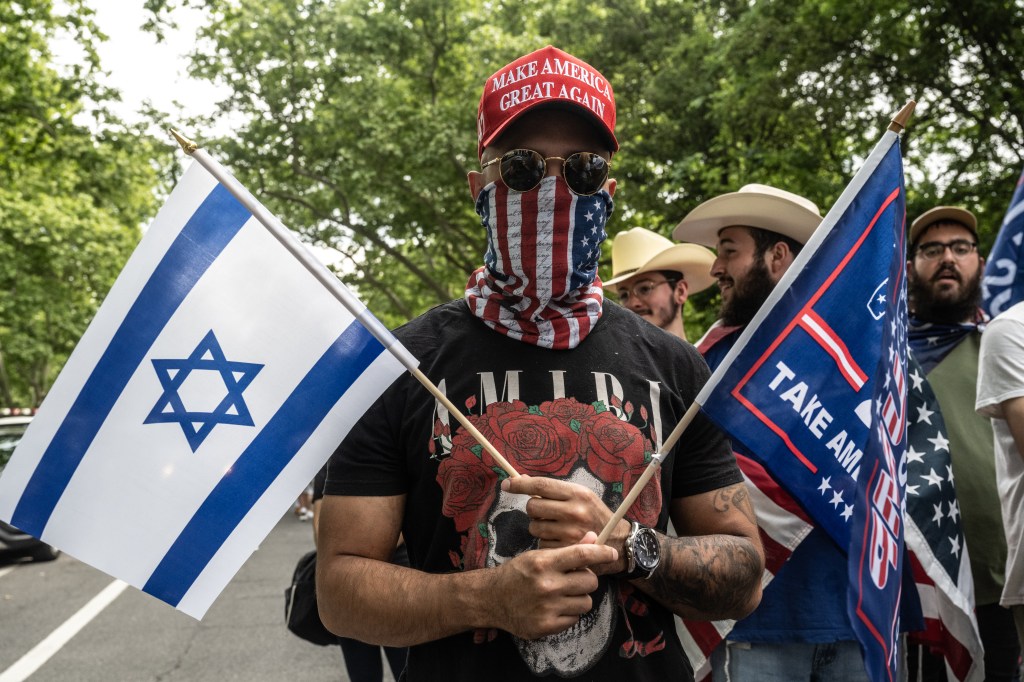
x: 943, y: 214
x: 752, y: 206
x: 639, y: 250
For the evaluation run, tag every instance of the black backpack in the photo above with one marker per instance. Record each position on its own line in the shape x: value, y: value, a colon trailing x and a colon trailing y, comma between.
x: 300, y: 611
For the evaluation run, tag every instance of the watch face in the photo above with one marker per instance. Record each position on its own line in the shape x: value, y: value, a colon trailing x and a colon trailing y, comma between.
x: 646, y: 549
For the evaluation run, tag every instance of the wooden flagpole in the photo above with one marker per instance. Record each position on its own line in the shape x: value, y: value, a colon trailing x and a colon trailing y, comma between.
x: 652, y: 467
x: 902, y: 117
x: 330, y: 280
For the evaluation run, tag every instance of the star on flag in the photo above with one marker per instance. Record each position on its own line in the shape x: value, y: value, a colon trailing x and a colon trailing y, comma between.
x: 931, y: 495
x: 205, y: 373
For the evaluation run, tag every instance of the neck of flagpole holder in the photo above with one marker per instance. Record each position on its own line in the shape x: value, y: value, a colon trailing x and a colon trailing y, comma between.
x: 340, y: 291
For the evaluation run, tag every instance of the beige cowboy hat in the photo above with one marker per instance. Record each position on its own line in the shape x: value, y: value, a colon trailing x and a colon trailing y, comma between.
x: 752, y: 206
x: 942, y: 214
x: 639, y: 250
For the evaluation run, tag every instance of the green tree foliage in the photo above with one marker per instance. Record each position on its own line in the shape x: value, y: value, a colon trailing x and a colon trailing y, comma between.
x: 359, y: 115
x: 358, y: 134
x: 795, y: 94
x: 75, y: 185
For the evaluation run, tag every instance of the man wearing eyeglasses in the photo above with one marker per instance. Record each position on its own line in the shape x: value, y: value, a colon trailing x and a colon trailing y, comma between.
x: 944, y: 271
x: 653, y: 277
x: 506, y: 580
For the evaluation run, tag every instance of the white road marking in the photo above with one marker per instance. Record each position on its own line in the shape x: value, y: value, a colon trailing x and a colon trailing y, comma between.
x: 42, y: 652
x: 4, y: 571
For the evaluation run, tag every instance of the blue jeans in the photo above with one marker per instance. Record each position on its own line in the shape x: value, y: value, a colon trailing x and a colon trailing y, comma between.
x: 790, y: 662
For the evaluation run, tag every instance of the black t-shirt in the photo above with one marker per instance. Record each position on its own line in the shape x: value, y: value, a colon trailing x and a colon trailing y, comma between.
x: 319, y: 483
x: 593, y: 415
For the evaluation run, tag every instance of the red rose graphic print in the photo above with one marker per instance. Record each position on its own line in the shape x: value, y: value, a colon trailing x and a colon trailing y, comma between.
x: 551, y: 439
x: 611, y: 446
x: 537, y: 444
x: 469, y: 481
x: 586, y: 444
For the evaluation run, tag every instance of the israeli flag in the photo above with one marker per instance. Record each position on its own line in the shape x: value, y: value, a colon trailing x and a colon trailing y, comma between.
x: 214, y: 382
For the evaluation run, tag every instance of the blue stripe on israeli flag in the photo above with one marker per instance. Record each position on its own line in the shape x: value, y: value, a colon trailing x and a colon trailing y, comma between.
x: 217, y: 377
x: 217, y: 220
x: 262, y: 461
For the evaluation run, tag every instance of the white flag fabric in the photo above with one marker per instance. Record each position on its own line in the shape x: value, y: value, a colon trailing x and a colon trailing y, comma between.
x: 214, y: 382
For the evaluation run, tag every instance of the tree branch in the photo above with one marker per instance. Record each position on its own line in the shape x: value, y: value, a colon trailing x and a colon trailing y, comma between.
x: 369, y: 235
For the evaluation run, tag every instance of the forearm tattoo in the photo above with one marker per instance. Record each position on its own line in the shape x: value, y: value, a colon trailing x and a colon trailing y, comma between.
x: 714, y: 575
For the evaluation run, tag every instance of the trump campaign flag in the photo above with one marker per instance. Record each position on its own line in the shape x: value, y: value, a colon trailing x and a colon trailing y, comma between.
x: 937, y: 554
x: 816, y: 386
x: 217, y: 377
x: 1003, y: 283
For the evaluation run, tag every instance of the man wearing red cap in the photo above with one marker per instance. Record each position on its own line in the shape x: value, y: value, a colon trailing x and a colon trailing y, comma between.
x: 507, y: 581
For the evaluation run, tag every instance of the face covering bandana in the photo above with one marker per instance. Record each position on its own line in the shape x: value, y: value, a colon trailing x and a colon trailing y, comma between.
x: 539, y: 282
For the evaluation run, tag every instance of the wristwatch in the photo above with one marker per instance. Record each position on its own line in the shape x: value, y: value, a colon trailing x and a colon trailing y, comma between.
x: 643, y: 552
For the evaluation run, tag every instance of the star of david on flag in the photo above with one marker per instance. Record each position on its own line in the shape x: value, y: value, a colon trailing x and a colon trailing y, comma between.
x: 206, y: 358
x: 220, y: 373
x: 816, y: 388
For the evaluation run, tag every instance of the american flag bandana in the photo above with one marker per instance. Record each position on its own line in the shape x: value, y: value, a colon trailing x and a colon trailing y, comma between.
x: 539, y: 281
x: 931, y: 342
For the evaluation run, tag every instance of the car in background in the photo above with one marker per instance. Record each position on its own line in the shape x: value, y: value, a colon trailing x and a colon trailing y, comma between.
x: 14, y: 543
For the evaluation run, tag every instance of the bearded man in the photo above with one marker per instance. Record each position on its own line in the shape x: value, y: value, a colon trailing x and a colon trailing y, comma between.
x: 758, y: 232
x: 944, y: 271
x: 801, y: 630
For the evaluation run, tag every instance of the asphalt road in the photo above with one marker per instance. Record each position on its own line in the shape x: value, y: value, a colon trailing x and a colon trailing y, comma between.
x: 137, y: 638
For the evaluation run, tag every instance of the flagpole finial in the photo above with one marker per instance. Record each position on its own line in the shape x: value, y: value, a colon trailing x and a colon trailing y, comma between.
x: 899, y: 121
x: 187, y: 145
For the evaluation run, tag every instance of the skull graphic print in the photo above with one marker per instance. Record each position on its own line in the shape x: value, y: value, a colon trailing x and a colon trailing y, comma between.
x: 587, y: 444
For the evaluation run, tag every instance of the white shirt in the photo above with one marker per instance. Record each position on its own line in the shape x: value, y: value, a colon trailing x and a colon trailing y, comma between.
x: 1001, y: 378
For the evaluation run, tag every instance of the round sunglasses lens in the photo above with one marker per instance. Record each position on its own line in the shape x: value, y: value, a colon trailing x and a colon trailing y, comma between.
x: 522, y: 169
x: 585, y: 172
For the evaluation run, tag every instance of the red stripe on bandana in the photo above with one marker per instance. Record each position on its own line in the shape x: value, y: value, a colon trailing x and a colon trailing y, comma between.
x: 525, y: 293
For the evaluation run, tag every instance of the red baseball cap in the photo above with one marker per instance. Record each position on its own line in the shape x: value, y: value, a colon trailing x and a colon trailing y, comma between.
x: 547, y: 76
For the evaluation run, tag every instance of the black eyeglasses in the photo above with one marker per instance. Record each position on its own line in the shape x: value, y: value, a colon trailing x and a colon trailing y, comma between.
x: 523, y: 169
x: 641, y: 289
x: 959, y: 247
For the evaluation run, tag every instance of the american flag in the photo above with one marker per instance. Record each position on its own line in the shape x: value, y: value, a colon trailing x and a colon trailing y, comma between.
x: 935, y: 537
x: 548, y: 274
